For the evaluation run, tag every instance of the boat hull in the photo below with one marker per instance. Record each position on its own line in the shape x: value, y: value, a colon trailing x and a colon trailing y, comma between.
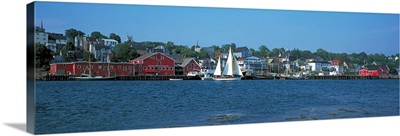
x: 92, y: 78
x: 227, y: 78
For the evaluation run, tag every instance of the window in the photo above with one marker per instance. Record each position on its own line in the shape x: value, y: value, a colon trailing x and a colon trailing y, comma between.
x: 144, y: 67
x: 64, y: 65
x: 99, y: 67
x: 192, y: 65
x: 79, y: 66
x: 153, y: 68
x: 159, y: 62
x: 111, y: 67
x: 85, y: 67
x: 105, y: 68
x: 124, y: 68
x: 130, y: 67
x: 91, y: 66
x: 119, y: 67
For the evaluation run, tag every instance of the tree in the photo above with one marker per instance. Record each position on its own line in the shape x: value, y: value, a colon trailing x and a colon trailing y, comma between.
x: 124, y: 53
x: 115, y: 37
x: 263, y: 51
x: 71, y: 33
x: 216, y: 47
x: 69, y: 46
x: 97, y: 35
x: 87, y: 55
x: 225, y: 47
x: 43, y: 57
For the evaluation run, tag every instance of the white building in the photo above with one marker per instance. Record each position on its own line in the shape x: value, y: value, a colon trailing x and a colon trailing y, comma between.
x: 317, y: 65
x: 41, y: 38
x: 110, y: 42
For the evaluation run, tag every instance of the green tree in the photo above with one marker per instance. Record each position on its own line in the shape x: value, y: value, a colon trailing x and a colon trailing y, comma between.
x: 69, y: 46
x: 170, y: 45
x: 225, y: 47
x: 216, y: 47
x: 263, y: 51
x: 43, y: 57
x: 124, y: 53
x: 87, y: 55
x: 97, y: 35
x: 71, y: 33
x: 115, y: 37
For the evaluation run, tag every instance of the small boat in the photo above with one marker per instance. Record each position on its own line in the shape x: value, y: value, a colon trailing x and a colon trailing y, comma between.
x: 206, y: 77
x: 175, y: 79
x: 231, y: 71
x: 87, y: 77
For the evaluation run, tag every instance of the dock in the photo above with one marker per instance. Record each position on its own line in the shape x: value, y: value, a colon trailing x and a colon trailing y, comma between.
x: 135, y: 77
x: 183, y: 77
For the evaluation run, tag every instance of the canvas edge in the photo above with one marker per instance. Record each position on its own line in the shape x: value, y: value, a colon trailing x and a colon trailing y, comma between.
x: 30, y: 58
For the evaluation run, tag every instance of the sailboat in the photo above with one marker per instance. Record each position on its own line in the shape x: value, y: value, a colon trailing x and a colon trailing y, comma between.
x: 231, y: 70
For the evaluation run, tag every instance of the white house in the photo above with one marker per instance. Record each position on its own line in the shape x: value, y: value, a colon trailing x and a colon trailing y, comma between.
x: 41, y: 38
x: 336, y: 67
x: 101, y: 53
x: 110, y: 42
x: 317, y: 65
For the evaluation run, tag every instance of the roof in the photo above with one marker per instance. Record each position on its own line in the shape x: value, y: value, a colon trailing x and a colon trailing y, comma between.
x: 240, y: 49
x: 147, y: 55
x: 373, y: 67
x: 336, y: 62
x: 315, y: 57
x: 177, y: 57
x: 57, y: 36
x: 99, y: 47
x: 138, y: 46
x: 319, y: 62
x: 187, y: 61
x: 285, y: 54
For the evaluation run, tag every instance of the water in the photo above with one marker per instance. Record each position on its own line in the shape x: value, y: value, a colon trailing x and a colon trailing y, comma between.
x: 76, y: 106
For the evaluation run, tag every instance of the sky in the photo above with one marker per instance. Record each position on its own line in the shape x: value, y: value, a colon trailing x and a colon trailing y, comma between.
x: 338, y: 32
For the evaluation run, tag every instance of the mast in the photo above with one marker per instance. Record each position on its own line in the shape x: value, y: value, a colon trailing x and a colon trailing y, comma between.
x: 228, y: 69
x: 90, y: 71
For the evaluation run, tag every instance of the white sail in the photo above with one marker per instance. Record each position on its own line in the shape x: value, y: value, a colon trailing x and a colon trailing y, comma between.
x: 228, y: 69
x: 217, y: 71
x: 236, y: 69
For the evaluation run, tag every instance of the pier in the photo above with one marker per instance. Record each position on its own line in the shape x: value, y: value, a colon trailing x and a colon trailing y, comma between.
x: 157, y: 77
x: 136, y: 77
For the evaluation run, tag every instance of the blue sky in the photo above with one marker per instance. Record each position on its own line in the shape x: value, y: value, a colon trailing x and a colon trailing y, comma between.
x: 333, y: 31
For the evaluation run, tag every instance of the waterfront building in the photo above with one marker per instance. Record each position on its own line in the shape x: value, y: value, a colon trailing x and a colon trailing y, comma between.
x: 96, y: 68
x: 317, y: 65
x: 189, y: 65
x: 374, y: 70
x: 154, y: 64
x: 337, y: 67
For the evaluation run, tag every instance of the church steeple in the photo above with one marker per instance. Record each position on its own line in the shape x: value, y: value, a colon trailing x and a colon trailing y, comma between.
x: 41, y: 24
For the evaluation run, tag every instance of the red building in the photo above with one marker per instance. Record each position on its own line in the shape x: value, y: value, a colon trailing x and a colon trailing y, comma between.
x: 374, y: 71
x: 154, y: 64
x: 190, y: 65
x: 96, y: 68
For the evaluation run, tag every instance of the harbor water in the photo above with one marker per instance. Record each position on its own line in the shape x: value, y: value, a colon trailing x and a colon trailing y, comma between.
x: 81, y: 106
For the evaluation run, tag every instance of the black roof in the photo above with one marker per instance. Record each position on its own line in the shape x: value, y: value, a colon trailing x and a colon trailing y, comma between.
x: 240, y: 49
